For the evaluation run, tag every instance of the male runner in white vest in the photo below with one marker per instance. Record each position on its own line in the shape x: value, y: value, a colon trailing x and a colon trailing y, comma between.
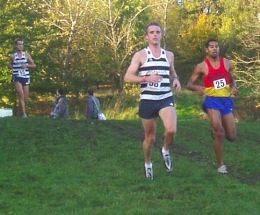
x: 157, y: 76
x: 21, y: 62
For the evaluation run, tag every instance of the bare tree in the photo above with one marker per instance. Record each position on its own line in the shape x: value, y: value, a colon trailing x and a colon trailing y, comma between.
x: 165, y: 6
x: 121, y: 35
x: 248, y: 63
x: 67, y: 17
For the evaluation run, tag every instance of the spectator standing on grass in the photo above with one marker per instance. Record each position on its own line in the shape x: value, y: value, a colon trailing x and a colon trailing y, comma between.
x: 93, y: 105
x: 218, y: 86
x: 157, y: 76
x: 61, y: 108
x: 21, y: 62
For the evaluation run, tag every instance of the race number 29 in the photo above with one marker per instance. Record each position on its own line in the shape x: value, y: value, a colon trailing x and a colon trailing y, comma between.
x: 220, y: 83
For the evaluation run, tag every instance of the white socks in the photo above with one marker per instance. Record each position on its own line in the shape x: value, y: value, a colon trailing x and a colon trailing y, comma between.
x: 164, y: 151
x: 148, y: 165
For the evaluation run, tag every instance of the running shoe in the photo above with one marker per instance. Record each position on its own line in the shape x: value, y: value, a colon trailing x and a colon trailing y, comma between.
x: 167, y: 162
x: 148, y: 171
x: 222, y: 169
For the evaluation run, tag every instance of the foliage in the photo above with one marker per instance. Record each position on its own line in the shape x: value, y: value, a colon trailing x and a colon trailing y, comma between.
x: 195, y: 37
x: 81, y: 43
x: 121, y: 37
x: 247, y: 62
x: 66, y: 18
x: 124, y: 106
x: 16, y: 21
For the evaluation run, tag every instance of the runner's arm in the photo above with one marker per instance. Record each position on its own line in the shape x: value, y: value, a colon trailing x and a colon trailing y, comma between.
x: 197, y: 73
x: 173, y: 75
x: 31, y: 64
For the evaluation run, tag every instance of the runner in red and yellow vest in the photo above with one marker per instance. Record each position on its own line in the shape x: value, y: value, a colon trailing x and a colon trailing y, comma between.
x: 218, y: 85
x: 217, y: 82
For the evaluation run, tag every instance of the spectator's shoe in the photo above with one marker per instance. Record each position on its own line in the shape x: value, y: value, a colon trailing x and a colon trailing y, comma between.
x: 222, y: 169
x: 167, y: 162
x: 25, y: 115
x: 148, y: 171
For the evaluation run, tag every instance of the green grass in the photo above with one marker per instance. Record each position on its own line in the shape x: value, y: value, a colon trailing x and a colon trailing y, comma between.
x: 93, y: 167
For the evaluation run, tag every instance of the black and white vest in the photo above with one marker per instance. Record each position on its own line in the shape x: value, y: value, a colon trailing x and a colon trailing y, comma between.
x: 160, y: 66
x: 18, y: 61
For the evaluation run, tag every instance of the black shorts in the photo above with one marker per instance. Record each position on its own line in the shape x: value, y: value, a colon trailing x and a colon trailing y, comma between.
x: 149, y: 109
x: 23, y: 81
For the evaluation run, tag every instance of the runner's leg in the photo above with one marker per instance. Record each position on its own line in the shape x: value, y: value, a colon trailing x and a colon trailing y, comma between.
x: 219, y: 134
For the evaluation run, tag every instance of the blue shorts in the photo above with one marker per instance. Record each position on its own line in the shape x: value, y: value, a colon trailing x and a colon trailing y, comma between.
x: 149, y: 109
x: 23, y: 81
x: 223, y: 104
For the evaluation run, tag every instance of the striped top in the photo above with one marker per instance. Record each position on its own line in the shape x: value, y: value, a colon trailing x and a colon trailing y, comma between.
x: 217, y: 82
x: 18, y: 61
x: 160, y: 66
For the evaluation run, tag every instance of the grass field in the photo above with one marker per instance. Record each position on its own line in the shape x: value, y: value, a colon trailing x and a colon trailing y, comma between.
x: 91, y: 167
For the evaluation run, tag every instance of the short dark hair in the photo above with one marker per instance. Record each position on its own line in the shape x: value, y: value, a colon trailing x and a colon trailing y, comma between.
x: 90, y: 92
x: 61, y: 91
x: 153, y: 24
x: 210, y: 40
x: 18, y: 39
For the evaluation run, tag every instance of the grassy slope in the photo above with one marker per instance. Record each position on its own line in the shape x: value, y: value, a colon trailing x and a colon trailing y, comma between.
x: 80, y: 167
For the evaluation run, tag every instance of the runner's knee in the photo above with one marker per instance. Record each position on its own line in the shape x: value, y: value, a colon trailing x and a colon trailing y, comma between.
x: 150, y: 138
x: 170, y: 131
x: 219, y: 134
x: 231, y: 137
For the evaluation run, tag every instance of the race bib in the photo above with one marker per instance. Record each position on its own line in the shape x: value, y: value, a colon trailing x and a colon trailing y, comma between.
x: 154, y: 86
x: 220, y: 83
x: 21, y: 72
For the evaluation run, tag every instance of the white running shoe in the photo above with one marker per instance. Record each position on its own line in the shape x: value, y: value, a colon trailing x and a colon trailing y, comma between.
x: 167, y: 162
x: 148, y: 171
x: 222, y: 169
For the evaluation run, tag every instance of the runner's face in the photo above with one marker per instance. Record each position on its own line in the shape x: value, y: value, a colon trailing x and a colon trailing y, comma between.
x: 213, y: 49
x: 19, y: 45
x: 154, y: 35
